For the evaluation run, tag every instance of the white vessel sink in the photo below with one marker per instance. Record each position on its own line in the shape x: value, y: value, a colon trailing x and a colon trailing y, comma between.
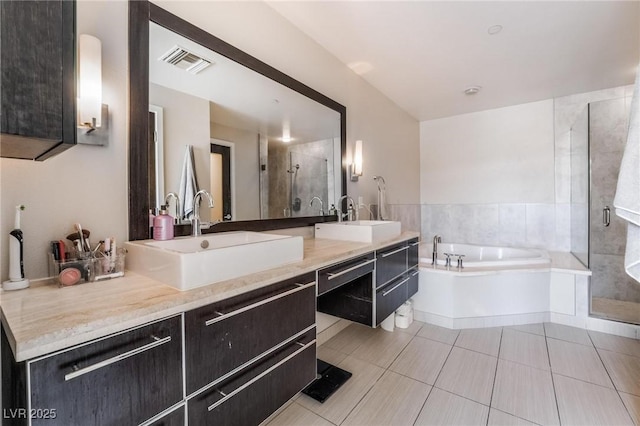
x: 190, y: 262
x: 365, y: 231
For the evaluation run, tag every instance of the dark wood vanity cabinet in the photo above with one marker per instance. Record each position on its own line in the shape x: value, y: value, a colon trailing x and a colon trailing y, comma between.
x: 369, y: 288
x: 244, y: 357
x: 37, y: 76
x: 242, y: 328
x: 173, y: 418
x: 126, y: 378
x: 248, y: 355
x: 252, y: 395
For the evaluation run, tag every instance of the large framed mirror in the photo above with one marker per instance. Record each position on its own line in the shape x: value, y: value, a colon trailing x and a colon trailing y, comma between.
x: 264, y: 144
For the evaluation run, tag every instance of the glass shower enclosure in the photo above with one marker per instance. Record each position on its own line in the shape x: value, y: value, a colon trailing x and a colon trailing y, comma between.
x: 598, y: 236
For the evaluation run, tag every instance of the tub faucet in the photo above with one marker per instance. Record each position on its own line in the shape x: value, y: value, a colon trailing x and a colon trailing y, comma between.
x: 339, y: 208
x: 195, y: 220
x: 434, y: 257
x: 166, y: 201
x: 321, y: 204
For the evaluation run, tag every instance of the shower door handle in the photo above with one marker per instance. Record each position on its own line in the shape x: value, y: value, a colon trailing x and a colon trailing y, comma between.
x: 606, y: 216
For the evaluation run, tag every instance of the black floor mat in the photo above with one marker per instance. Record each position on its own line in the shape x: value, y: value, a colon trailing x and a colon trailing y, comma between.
x: 329, y: 380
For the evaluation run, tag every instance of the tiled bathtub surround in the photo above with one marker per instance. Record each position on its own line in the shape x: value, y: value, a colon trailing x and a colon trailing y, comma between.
x: 525, y: 224
x: 408, y: 214
x: 513, y: 225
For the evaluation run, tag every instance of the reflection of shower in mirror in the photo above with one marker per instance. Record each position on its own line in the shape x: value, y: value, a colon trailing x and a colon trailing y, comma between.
x: 383, y: 208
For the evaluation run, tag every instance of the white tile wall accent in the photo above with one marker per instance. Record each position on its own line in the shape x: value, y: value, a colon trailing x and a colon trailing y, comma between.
x: 513, y: 225
x: 408, y: 214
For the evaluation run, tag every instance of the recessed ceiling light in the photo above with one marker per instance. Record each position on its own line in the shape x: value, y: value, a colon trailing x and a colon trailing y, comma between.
x: 472, y: 90
x: 494, y: 29
x: 361, y: 67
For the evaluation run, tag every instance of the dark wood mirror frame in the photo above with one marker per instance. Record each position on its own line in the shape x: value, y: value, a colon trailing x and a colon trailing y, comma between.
x: 140, y: 14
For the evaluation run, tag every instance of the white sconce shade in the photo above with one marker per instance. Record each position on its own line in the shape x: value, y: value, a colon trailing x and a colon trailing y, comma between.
x: 89, y: 81
x: 356, y: 167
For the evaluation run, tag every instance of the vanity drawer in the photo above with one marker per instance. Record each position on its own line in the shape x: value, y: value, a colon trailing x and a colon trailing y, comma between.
x: 124, y: 379
x: 390, y: 263
x: 390, y: 297
x: 223, y: 337
x: 414, y: 281
x: 336, y: 275
x: 254, y: 394
x: 174, y: 418
x: 412, y: 254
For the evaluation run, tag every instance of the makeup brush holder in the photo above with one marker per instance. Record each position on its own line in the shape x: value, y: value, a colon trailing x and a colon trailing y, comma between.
x: 71, y: 271
x: 89, y: 269
x: 107, y: 267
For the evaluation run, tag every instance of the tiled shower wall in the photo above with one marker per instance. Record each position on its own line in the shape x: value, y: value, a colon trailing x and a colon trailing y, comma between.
x: 538, y: 225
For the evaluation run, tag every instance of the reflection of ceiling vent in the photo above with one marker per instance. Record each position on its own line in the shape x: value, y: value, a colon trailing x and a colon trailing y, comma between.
x: 184, y: 59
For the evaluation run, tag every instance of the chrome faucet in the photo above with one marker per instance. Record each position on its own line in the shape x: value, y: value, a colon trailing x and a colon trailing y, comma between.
x: 339, y: 207
x: 166, y: 201
x: 195, y: 220
x: 321, y: 204
x: 434, y: 257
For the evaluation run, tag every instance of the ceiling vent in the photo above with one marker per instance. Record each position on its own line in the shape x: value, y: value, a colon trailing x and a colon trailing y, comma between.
x: 182, y: 58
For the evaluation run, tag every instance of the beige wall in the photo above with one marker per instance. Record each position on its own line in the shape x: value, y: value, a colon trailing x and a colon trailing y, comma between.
x: 185, y: 122
x: 390, y: 135
x: 245, y: 170
x: 502, y: 155
x: 89, y: 184
x: 85, y: 184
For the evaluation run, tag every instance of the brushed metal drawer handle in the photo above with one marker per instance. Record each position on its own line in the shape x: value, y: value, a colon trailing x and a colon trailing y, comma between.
x: 223, y: 316
x: 384, y: 293
x: 414, y: 244
x: 415, y: 273
x: 254, y: 359
x: 332, y: 275
x: 258, y: 377
x: 82, y: 371
x: 395, y: 251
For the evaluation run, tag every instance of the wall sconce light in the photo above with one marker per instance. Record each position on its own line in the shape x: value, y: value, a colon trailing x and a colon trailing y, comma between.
x: 356, y: 166
x: 93, y: 115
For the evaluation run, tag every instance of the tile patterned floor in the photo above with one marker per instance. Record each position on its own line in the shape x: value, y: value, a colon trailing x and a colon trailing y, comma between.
x: 545, y: 374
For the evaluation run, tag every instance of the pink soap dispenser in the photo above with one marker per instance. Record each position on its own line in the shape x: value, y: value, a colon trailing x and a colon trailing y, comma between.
x: 163, y: 225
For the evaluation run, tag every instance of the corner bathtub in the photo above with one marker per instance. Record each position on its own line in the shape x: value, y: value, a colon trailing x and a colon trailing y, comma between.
x: 485, y: 256
x: 497, y: 286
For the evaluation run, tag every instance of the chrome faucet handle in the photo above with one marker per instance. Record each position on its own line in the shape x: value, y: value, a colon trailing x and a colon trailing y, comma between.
x: 460, y: 256
x: 196, y: 229
x: 447, y: 261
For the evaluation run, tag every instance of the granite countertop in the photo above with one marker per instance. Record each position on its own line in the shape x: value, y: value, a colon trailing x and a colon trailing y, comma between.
x: 45, y: 318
